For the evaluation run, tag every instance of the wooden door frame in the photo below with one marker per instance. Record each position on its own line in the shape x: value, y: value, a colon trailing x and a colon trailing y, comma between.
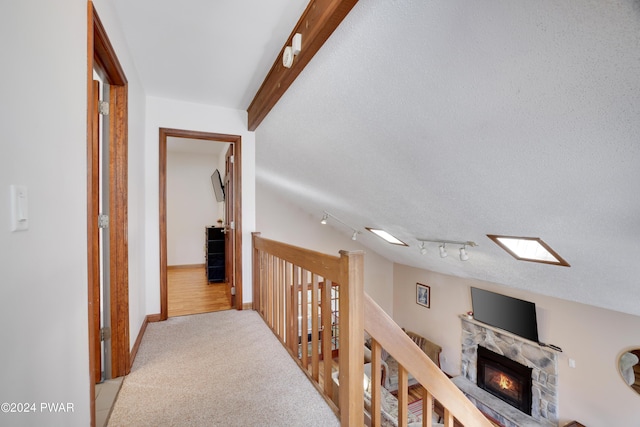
x: 236, y: 140
x: 101, y: 55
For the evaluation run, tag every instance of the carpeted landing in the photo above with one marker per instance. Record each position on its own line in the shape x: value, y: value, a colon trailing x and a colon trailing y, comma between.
x: 217, y: 369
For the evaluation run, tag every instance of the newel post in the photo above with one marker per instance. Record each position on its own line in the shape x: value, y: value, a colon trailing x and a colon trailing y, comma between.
x: 351, y: 340
x: 256, y: 273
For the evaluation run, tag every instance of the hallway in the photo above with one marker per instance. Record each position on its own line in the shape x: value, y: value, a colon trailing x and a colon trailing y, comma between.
x: 225, y: 368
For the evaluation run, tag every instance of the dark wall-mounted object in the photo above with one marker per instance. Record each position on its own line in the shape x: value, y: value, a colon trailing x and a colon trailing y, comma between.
x: 511, y: 314
x: 218, y: 188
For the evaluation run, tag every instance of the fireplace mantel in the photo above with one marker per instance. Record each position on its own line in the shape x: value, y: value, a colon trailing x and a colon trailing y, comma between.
x: 542, y: 360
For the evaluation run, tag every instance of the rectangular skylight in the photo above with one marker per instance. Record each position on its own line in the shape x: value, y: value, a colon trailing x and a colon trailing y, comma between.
x: 529, y: 249
x: 386, y: 236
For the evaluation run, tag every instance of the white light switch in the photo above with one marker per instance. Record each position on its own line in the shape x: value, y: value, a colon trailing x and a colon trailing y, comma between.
x: 19, y: 208
x: 572, y: 363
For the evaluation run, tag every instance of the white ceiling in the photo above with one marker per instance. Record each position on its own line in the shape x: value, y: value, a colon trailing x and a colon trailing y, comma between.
x: 441, y: 119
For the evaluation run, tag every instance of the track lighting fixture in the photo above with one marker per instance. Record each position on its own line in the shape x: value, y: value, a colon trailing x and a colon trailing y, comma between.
x: 326, y: 215
x: 423, y: 250
x: 442, y: 248
x: 443, y: 251
x: 463, y: 254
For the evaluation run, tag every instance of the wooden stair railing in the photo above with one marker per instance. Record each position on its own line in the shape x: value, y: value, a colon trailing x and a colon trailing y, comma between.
x: 284, y: 276
x: 385, y: 333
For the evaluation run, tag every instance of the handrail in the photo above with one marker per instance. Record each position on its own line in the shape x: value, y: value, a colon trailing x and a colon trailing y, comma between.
x: 410, y: 358
x: 285, y: 275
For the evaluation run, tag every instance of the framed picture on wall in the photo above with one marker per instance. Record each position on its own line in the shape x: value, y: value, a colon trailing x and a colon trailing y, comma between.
x: 423, y: 295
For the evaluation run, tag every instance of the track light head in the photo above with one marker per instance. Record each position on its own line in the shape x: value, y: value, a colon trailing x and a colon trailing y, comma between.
x: 355, y: 235
x: 443, y: 251
x: 423, y: 250
x: 463, y: 254
x: 324, y: 219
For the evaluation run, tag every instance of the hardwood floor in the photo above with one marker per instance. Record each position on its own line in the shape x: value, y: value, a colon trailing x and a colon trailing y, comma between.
x: 189, y: 292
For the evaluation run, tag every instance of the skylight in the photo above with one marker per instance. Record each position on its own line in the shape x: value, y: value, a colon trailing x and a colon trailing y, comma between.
x: 386, y: 236
x: 529, y: 249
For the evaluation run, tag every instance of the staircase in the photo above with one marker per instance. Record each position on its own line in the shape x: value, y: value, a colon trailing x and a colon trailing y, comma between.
x: 316, y: 305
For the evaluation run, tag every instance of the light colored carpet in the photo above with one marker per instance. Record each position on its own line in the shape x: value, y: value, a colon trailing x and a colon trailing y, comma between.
x: 217, y: 369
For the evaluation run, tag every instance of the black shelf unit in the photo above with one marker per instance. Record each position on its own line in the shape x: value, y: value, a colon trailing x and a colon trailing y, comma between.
x: 215, y: 254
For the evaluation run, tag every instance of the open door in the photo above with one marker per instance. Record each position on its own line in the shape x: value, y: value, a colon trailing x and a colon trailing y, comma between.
x: 229, y: 226
x: 233, y: 209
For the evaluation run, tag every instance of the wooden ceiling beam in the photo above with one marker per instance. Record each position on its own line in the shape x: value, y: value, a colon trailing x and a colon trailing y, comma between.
x: 317, y: 23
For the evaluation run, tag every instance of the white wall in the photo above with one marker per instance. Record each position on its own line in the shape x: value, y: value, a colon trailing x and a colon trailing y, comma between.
x: 191, y: 205
x: 43, y: 292
x: 278, y: 219
x: 592, y: 393
x: 174, y: 114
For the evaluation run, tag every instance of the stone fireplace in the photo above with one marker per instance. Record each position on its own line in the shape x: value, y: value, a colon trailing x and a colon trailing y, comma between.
x: 509, y: 378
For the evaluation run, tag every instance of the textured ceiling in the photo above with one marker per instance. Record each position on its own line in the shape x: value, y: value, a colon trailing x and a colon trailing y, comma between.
x: 442, y: 119
x: 457, y: 119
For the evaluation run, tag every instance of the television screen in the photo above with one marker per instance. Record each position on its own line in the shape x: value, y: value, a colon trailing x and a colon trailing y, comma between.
x: 511, y: 314
x: 218, y: 188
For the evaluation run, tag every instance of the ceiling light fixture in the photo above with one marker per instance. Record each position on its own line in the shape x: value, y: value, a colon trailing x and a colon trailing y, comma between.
x: 324, y: 219
x: 463, y: 254
x: 326, y: 215
x: 423, y: 250
x: 443, y: 251
x: 442, y: 248
x: 386, y: 236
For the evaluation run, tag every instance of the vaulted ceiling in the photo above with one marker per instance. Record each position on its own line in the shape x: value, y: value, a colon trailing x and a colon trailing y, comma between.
x: 437, y: 120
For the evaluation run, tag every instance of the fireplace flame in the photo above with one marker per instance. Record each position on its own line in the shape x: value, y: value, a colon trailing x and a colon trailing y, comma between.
x: 505, y: 382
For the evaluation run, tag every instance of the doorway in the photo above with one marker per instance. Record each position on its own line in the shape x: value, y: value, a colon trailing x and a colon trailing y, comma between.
x: 199, y: 265
x: 102, y: 59
x: 231, y: 214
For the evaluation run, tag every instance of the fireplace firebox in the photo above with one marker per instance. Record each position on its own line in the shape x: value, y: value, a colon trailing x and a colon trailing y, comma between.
x: 505, y: 379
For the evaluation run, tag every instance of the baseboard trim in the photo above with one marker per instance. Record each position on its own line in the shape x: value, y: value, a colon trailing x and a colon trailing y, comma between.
x: 247, y: 306
x: 148, y: 319
x: 177, y: 267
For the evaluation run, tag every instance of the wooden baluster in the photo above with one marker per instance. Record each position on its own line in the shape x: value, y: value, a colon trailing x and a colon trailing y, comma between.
x: 295, y: 343
x: 376, y: 381
x: 427, y: 408
x: 281, y: 299
x: 315, y: 359
x: 268, y: 284
x: 290, y: 301
x: 448, y: 418
x: 263, y: 283
x: 403, y: 397
x: 304, y: 320
x: 325, y: 311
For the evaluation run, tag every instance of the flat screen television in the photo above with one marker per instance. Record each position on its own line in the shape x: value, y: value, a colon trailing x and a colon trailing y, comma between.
x: 511, y: 314
x: 218, y: 188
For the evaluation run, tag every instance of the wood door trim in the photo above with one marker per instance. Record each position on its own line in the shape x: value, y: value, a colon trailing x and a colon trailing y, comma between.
x: 100, y: 54
x: 93, y: 267
x: 164, y: 133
